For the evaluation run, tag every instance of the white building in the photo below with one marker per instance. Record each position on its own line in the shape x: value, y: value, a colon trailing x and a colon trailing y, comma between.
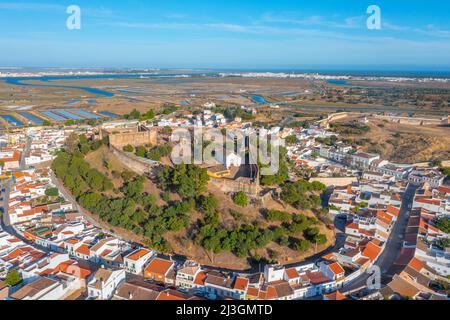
x: 136, y: 261
x: 104, y: 282
x: 229, y: 160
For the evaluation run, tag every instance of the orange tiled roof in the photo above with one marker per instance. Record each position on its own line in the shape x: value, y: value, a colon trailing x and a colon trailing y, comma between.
x: 241, y: 283
x: 15, y: 157
x: 137, y: 254
x: 271, y: 293
x: 200, y: 278
x: 159, y: 266
x: 444, y: 189
x: 337, y: 295
x: 72, y: 241
x: 252, y: 292
x: 336, y: 268
x: 83, y: 249
x: 371, y: 251
x: 292, y: 273
x: 393, y: 210
x: 172, y: 295
x: 384, y: 217
x: 416, y: 264
x: 105, y: 252
x: 352, y: 225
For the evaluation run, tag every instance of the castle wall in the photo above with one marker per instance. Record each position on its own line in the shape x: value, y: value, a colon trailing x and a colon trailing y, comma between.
x: 131, y: 161
x: 120, y: 140
x: 411, y: 121
x: 248, y: 186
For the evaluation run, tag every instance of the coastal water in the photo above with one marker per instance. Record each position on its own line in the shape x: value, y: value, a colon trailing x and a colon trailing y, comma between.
x: 53, y: 116
x: 72, y: 102
x: 69, y: 115
x: 19, y: 82
x: 86, y: 114
x: 260, y: 99
x: 32, y: 118
x: 108, y: 114
x: 12, y: 121
x: 340, y: 82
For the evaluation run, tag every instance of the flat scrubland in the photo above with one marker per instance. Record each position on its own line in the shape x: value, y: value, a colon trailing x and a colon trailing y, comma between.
x: 403, y: 143
x: 142, y: 94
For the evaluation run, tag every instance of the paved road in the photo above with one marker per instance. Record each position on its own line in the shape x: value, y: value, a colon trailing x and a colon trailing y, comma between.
x: 25, y: 151
x: 5, y: 221
x: 7, y: 186
x: 7, y: 183
x: 393, y: 245
x: 6, y: 224
x: 69, y: 197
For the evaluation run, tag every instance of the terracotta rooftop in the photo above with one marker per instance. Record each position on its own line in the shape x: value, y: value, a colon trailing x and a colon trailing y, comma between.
x: 159, y: 266
x: 138, y: 254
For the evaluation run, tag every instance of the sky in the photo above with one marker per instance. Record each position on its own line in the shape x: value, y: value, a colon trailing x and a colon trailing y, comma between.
x: 243, y: 34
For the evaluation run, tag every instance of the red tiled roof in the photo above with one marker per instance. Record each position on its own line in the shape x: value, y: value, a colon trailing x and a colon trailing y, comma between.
x: 83, y: 249
x: 393, y: 210
x: 336, y: 268
x: 292, y: 273
x: 173, y: 295
x: 352, y: 225
x: 371, y: 251
x: 137, y: 254
x: 241, y: 284
x: 253, y: 292
x: 444, y: 189
x: 200, y: 278
x: 337, y: 295
x: 416, y: 264
x: 159, y: 266
x: 317, y: 277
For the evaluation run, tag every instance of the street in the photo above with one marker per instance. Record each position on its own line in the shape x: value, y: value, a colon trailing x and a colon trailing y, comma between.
x: 5, y: 221
x: 393, y: 245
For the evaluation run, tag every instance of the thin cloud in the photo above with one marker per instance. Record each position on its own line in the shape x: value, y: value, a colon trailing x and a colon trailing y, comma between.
x: 430, y: 30
x: 100, y: 12
x: 145, y: 25
x: 24, y: 6
x: 315, y: 20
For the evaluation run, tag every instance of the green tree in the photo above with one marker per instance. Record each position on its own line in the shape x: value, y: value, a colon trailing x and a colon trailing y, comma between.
x: 320, y: 239
x: 301, y: 245
x: 292, y: 139
x: 443, y: 243
x: 275, y: 215
x: 188, y: 181
x: 141, y: 151
x: 240, y: 199
x: 128, y: 148
x: 149, y: 115
x: 208, y: 204
x: 13, y: 278
x: 51, y: 192
x: 134, y: 115
x: 443, y: 224
x: 282, y: 175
